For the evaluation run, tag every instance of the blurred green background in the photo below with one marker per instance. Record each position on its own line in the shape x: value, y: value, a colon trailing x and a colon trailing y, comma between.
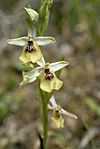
x: 76, y: 26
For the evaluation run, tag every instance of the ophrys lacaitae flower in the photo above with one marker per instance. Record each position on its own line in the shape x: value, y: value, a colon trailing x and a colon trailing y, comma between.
x: 57, y: 118
x: 47, y: 76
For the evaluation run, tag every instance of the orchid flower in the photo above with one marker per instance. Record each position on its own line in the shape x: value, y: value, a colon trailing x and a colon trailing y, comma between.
x: 48, y: 79
x: 57, y: 113
x: 31, y: 51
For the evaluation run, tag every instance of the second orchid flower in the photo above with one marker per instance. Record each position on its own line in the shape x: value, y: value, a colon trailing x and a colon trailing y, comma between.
x: 48, y: 79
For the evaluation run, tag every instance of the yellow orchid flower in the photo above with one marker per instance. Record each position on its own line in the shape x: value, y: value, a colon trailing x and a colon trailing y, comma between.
x: 49, y: 81
x: 57, y: 113
x: 31, y: 52
x: 57, y: 118
x: 31, y: 43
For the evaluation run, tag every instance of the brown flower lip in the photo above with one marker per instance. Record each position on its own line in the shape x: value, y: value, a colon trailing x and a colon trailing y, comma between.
x: 57, y: 113
x: 30, y: 47
x: 49, y: 75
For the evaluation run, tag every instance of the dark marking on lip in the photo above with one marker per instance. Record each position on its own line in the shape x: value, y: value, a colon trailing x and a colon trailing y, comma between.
x: 30, y: 47
x: 57, y: 113
x: 46, y: 70
x: 49, y: 75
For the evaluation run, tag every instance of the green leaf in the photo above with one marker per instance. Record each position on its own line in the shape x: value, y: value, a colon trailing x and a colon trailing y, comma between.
x: 32, y: 14
x: 41, y: 41
x: 18, y: 41
x: 44, y: 13
x: 46, y: 20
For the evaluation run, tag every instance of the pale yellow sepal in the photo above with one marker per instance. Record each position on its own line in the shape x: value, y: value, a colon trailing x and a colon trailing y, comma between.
x: 50, y: 85
x: 58, y: 122
x: 31, y: 57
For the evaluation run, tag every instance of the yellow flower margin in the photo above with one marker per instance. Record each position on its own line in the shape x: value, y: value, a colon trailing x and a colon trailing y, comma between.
x: 49, y: 85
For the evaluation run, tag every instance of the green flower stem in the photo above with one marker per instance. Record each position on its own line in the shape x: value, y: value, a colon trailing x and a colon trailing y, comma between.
x: 44, y: 114
x: 45, y: 122
x: 44, y: 117
x: 44, y: 13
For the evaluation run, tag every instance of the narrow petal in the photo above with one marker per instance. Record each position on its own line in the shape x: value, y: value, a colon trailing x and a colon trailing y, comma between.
x: 18, y: 41
x: 58, y: 65
x: 32, y: 14
x: 53, y: 102
x: 68, y: 114
x: 30, y: 27
x: 41, y: 62
x: 31, y: 57
x: 42, y: 41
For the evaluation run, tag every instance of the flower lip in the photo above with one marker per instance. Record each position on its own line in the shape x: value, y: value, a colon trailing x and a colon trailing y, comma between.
x: 30, y: 46
x: 30, y: 42
x: 49, y: 76
x: 57, y: 112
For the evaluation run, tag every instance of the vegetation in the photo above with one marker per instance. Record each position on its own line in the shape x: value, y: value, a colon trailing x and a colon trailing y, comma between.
x: 75, y: 26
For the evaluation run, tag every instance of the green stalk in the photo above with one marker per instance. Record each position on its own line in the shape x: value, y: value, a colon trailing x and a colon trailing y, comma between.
x: 45, y: 123
x: 44, y: 117
x: 44, y: 13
